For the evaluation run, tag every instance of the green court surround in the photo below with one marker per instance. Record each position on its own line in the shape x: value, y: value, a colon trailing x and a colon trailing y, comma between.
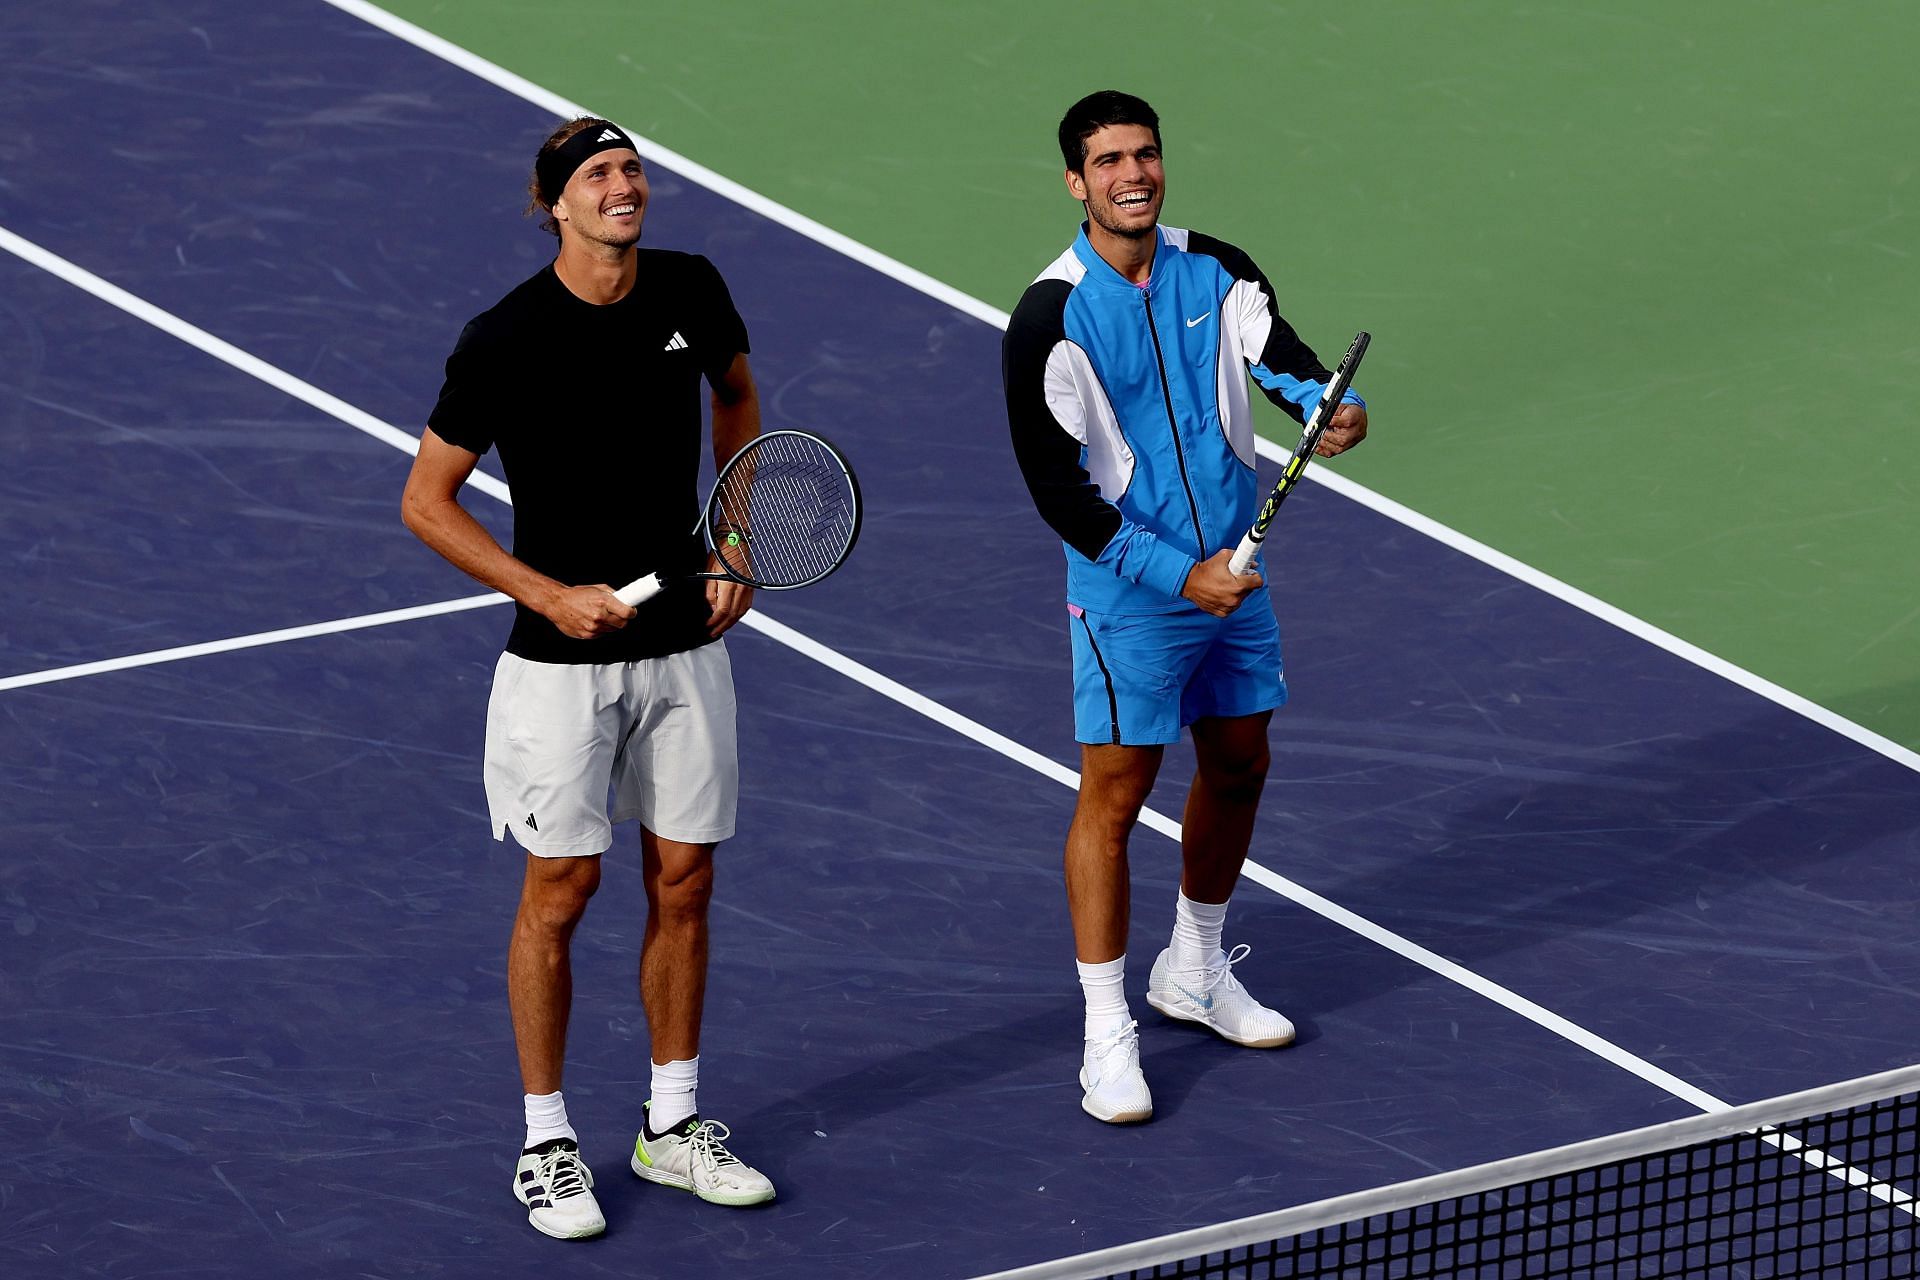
x: 1642, y: 277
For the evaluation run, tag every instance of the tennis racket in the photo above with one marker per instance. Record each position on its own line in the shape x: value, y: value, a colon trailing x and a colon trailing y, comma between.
x: 1242, y: 561
x: 784, y: 513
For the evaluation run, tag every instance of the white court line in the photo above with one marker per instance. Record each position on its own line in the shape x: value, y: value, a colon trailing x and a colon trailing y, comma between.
x: 1333, y: 911
x: 865, y: 676
x: 224, y: 351
x: 393, y: 436
x: 889, y: 688
x: 527, y: 90
x: 1652, y: 1142
x: 858, y: 672
x: 254, y: 641
x: 521, y: 87
x: 1608, y: 613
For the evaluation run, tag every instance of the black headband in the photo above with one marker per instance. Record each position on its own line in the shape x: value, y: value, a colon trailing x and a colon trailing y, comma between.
x: 553, y: 168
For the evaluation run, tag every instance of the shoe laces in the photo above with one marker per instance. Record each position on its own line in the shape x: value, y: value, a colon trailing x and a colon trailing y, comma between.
x: 1116, y: 1040
x: 561, y: 1173
x: 1221, y: 975
x: 708, y: 1146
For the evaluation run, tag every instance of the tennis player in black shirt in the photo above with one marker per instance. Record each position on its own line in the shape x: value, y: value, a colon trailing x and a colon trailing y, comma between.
x: 586, y: 379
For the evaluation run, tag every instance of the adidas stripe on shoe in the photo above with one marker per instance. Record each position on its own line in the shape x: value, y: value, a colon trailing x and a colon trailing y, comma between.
x: 558, y: 1191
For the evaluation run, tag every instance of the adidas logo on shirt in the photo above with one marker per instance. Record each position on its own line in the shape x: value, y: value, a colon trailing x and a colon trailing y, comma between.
x: 676, y: 342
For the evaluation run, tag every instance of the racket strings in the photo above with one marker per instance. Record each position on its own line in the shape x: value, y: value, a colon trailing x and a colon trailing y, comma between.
x: 785, y: 513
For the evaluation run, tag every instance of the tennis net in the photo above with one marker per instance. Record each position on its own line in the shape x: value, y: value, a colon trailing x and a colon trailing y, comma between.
x: 1819, y: 1183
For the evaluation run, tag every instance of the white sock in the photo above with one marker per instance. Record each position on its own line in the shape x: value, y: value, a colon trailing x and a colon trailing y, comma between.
x: 674, y: 1086
x: 547, y: 1118
x: 1106, y: 995
x: 1196, y: 933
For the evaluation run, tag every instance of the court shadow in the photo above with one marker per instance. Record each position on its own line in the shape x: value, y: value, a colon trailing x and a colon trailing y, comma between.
x: 1178, y: 1056
x: 958, y: 1069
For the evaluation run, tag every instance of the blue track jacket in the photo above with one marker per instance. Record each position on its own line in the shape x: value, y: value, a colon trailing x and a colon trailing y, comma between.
x: 1130, y: 413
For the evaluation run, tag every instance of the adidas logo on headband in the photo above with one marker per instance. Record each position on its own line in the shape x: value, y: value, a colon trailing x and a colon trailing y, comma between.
x: 553, y: 168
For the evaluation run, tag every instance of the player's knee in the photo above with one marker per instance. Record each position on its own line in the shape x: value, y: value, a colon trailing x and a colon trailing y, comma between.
x: 1238, y: 778
x: 1108, y: 818
x: 558, y: 890
x: 681, y: 894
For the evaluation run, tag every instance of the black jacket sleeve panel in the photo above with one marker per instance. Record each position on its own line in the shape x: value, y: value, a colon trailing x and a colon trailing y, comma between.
x: 1283, y: 356
x: 1046, y: 449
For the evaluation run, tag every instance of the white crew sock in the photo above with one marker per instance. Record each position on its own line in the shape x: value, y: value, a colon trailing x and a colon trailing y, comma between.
x: 674, y: 1086
x: 1106, y: 995
x: 1196, y: 933
x: 547, y: 1118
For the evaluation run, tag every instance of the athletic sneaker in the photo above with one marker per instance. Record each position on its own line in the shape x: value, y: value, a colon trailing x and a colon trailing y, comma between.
x: 1214, y: 998
x: 695, y: 1158
x: 1116, y: 1091
x: 558, y: 1191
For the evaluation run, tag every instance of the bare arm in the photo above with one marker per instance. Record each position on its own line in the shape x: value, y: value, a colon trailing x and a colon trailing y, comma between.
x: 736, y: 411
x: 736, y: 420
x: 431, y: 508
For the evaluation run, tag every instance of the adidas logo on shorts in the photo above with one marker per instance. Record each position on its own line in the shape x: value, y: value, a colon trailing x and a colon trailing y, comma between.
x: 677, y: 343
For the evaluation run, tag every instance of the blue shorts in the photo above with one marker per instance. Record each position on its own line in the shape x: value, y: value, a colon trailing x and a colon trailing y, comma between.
x: 1139, y: 678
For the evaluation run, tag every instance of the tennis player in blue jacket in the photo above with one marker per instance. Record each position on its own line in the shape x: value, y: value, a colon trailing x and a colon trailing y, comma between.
x: 1126, y: 366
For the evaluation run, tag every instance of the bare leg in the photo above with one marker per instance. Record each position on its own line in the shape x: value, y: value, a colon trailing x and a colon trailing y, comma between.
x: 1114, y: 782
x: 1218, y: 823
x: 673, y: 986
x: 673, y: 956
x: 553, y: 897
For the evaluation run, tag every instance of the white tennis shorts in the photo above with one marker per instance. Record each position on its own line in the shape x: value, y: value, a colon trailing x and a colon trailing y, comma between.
x: 658, y: 731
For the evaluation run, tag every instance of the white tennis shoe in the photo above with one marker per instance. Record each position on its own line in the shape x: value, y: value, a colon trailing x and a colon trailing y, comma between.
x: 558, y: 1191
x: 694, y: 1157
x: 1213, y: 997
x: 1116, y: 1090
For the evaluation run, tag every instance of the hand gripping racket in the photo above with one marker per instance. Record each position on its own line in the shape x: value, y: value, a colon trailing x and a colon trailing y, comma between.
x: 784, y: 513
x: 1242, y: 562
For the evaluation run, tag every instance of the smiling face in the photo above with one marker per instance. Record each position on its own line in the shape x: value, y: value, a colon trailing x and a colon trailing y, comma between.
x: 604, y: 200
x: 1121, y: 182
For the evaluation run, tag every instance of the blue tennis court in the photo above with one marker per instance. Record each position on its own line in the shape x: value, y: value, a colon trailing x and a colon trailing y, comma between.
x: 1524, y: 878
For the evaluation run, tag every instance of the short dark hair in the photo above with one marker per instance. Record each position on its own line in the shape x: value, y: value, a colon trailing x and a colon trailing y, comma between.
x: 1095, y: 112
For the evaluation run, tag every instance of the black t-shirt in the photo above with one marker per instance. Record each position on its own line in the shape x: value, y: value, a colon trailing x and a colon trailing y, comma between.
x: 596, y: 413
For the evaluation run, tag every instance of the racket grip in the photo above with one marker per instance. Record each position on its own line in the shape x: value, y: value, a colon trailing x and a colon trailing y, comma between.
x: 641, y: 590
x: 1242, y: 563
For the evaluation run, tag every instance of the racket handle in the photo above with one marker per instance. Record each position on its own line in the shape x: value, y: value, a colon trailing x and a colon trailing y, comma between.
x: 1242, y: 562
x: 641, y: 590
